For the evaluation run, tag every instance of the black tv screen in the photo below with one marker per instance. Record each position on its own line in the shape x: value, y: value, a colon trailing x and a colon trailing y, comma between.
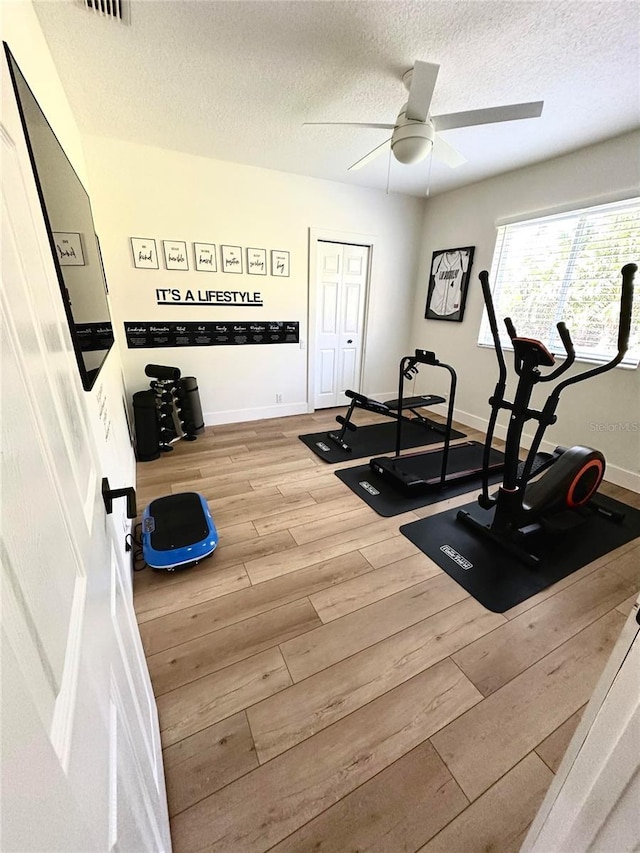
x: 67, y: 213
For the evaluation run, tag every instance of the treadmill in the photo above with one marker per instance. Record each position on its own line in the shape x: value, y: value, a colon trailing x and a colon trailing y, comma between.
x: 416, y: 473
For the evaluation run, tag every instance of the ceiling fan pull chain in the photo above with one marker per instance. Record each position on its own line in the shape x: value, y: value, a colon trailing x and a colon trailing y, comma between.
x: 429, y: 174
x: 388, y: 170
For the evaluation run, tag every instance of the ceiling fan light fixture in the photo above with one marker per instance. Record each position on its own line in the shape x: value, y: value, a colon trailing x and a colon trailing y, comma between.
x: 412, y: 141
x: 411, y: 150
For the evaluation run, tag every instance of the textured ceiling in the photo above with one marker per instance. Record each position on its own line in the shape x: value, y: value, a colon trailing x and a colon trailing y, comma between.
x: 236, y: 80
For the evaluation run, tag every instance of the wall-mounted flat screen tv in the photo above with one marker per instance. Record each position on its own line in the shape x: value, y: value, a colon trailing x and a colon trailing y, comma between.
x: 69, y: 221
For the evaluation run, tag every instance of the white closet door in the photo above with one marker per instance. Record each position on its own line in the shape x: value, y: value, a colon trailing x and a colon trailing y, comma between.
x: 341, y: 275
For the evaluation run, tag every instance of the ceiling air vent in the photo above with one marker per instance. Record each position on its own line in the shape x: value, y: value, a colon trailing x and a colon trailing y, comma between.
x: 118, y: 10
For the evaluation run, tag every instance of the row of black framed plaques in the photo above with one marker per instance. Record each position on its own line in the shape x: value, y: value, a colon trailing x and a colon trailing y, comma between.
x: 148, y: 335
x: 232, y: 258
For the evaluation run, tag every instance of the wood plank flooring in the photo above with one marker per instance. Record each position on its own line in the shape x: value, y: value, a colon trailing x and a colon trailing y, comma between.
x: 323, y: 686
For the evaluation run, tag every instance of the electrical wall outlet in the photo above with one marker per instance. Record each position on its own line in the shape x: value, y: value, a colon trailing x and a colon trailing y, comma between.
x: 278, y: 398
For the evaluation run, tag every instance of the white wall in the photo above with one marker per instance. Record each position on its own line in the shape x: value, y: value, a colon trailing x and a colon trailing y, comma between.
x: 149, y: 192
x: 22, y: 32
x: 467, y: 217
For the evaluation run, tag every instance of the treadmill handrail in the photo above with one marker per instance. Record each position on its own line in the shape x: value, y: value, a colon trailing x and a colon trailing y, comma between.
x: 427, y: 357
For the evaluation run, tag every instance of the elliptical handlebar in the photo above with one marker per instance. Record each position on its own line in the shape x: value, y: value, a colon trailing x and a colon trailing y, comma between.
x: 511, y: 329
x: 626, y: 306
x: 567, y: 343
x: 491, y: 314
x: 624, y: 330
x: 499, y: 390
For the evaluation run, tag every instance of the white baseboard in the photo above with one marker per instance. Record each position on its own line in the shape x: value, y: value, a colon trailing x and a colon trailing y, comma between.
x: 614, y: 473
x: 622, y: 477
x: 240, y: 415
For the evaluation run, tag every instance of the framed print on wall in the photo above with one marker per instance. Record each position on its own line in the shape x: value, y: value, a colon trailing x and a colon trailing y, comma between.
x: 145, y: 254
x: 279, y: 262
x: 205, y: 257
x: 69, y: 249
x: 175, y: 255
x: 231, y: 258
x: 448, y: 283
x: 257, y: 261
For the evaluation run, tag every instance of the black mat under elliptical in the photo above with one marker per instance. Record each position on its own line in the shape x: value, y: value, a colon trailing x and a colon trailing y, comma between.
x: 387, y: 500
x: 373, y: 440
x: 498, y: 580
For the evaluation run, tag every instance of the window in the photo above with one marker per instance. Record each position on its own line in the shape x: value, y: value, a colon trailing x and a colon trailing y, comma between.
x: 567, y: 267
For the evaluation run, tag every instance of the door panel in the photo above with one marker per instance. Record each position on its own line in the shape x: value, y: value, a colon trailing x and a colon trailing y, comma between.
x: 59, y: 824
x: 331, y: 260
x: 329, y: 317
x: 348, y: 376
x: 38, y: 323
x: 133, y: 824
x: 141, y: 711
x: 41, y: 567
x: 354, y: 265
x: 327, y: 372
x: 351, y: 303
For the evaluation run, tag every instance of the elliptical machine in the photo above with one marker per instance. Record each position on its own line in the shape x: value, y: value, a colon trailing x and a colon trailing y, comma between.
x: 555, y: 499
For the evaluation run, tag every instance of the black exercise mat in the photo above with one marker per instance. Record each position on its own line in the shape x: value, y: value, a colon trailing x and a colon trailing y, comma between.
x: 373, y: 440
x: 497, y: 579
x: 387, y: 500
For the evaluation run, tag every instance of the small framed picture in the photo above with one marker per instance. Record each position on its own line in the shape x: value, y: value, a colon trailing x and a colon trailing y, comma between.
x: 68, y: 249
x: 205, y: 257
x: 257, y: 261
x: 279, y: 262
x: 231, y: 258
x: 145, y: 254
x: 175, y: 255
x: 448, y: 284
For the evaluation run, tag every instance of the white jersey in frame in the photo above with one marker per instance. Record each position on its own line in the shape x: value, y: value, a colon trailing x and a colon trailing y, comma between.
x: 448, y: 283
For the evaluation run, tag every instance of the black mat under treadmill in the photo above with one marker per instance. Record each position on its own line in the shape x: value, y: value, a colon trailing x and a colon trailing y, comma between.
x: 465, y: 460
x: 388, y: 500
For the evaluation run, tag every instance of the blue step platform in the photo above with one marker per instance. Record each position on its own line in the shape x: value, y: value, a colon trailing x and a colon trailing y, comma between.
x: 177, y: 531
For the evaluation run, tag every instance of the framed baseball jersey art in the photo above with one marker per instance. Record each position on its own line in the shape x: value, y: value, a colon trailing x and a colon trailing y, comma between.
x: 448, y: 283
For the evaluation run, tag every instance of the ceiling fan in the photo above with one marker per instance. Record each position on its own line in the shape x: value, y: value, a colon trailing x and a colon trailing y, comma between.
x: 416, y: 132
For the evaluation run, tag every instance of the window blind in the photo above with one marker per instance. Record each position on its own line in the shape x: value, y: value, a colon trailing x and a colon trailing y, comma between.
x: 567, y: 267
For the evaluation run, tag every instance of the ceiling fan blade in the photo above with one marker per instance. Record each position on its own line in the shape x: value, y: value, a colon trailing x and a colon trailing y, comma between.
x: 348, y: 124
x: 511, y: 112
x: 423, y: 82
x: 376, y: 152
x: 447, y: 153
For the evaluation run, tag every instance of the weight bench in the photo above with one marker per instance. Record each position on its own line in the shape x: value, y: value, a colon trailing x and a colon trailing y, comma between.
x: 390, y: 409
x: 177, y: 532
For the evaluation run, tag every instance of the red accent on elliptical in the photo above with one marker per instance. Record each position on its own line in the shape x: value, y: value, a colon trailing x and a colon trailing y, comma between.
x: 593, y: 463
x: 548, y: 358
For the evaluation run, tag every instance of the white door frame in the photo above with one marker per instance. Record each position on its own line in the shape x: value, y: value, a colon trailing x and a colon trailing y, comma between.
x: 355, y: 239
x: 592, y: 793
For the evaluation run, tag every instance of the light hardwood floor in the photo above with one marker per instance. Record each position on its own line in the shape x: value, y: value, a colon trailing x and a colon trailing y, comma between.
x: 323, y: 686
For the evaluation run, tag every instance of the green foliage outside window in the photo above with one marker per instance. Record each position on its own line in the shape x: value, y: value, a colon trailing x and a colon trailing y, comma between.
x: 567, y: 267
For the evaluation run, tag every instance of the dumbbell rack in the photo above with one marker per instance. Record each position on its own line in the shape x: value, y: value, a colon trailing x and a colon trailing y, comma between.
x: 167, y: 413
x: 170, y: 408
